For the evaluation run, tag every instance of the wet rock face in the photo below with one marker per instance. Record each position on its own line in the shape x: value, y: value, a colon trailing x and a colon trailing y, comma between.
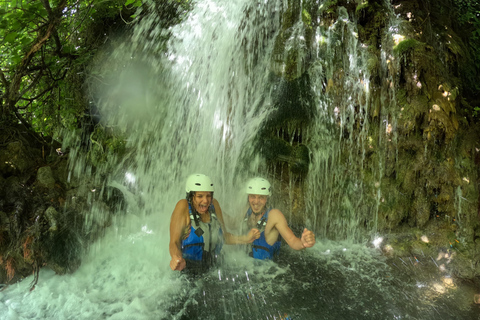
x: 42, y: 215
x: 16, y: 159
x: 282, y: 139
x: 45, y: 177
x: 421, y: 168
x: 26, y: 192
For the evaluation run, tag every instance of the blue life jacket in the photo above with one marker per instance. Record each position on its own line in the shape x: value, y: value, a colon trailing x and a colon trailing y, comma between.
x: 194, y: 246
x: 260, y: 247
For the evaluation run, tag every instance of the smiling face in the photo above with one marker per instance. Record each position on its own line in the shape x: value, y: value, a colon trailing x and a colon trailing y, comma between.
x: 201, y: 201
x: 257, y: 203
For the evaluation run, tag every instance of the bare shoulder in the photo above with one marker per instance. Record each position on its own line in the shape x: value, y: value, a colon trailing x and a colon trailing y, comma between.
x: 179, y: 220
x: 182, y: 204
x: 181, y: 209
x: 275, y: 214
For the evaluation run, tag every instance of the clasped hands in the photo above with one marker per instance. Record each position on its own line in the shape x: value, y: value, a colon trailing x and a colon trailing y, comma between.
x: 253, y: 235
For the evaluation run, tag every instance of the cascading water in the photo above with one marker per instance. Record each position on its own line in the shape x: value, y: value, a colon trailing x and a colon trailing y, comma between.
x: 341, y: 62
x: 204, y: 102
x: 198, y: 108
x: 344, y: 206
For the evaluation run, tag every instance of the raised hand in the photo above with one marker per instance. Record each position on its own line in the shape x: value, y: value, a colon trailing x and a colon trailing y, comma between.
x: 308, y: 238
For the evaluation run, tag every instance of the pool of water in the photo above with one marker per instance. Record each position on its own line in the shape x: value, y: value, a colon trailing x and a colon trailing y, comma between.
x: 127, y: 277
x: 333, y: 281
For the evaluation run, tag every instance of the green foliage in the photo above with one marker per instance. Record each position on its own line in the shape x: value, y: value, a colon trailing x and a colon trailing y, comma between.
x: 361, y: 6
x: 135, y: 3
x: 45, y: 48
x: 16, y: 28
x: 469, y: 19
x: 306, y: 18
x: 468, y: 11
x: 405, y: 46
x: 476, y: 112
x: 104, y: 144
x: 328, y: 6
x: 371, y: 18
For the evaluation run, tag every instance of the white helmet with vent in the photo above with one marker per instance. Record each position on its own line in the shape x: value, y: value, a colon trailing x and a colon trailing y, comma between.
x: 199, y: 182
x: 258, y: 186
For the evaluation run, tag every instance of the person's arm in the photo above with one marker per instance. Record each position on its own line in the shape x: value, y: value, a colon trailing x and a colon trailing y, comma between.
x: 277, y: 220
x: 252, y: 235
x: 178, y: 223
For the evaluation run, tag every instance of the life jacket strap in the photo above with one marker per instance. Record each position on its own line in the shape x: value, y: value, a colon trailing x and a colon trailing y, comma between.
x: 201, y: 244
x: 260, y: 247
x: 261, y: 224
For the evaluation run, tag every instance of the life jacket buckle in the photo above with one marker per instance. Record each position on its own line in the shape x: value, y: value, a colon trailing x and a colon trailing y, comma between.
x: 199, y: 232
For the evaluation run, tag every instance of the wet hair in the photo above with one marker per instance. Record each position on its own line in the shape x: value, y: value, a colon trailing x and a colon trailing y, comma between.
x: 189, y: 196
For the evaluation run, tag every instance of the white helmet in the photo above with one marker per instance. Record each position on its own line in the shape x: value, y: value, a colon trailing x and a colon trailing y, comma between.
x: 199, y: 182
x: 258, y: 186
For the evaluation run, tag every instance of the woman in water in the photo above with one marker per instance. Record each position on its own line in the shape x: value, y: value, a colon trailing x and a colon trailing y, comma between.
x: 197, y: 230
x: 271, y: 223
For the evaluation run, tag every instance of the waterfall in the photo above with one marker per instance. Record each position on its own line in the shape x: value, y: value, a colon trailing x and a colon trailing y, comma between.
x: 192, y: 102
x: 343, y: 189
x: 334, y: 196
x: 197, y: 96
x: 188, y: 98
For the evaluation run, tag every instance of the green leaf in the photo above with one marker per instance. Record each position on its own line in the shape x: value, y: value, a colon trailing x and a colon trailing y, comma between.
x: 15, y: 25
x: 68, y: 48
x: 136, y: 3
x: 3, y: 24
x: 16, y: 59
x: 11, y: 37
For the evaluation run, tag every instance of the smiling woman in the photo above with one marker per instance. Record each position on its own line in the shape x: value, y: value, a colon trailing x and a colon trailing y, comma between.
x: 271, y: 223
x: 187, y: 242
x: 197, y: 230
